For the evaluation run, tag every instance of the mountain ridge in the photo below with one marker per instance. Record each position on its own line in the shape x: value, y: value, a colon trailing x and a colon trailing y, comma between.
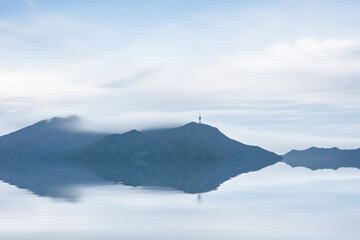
x: 193, y: 158
x: 322, y: 158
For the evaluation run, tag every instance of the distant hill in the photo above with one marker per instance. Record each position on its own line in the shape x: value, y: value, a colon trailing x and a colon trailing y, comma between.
x: 20, y: 150
x: 318, y: 158
x: 193, y: 158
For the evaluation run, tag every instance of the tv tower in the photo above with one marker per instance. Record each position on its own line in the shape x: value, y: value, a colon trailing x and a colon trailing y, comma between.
x: 199, y: 117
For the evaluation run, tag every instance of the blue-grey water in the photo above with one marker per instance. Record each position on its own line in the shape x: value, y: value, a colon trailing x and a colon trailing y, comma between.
x: 277, y: 202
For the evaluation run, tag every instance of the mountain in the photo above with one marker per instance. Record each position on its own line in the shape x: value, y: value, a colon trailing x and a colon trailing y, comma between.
x: 54, y: 135
x: 20, y: 152
x: 318, y: 158
x: 193, y: 158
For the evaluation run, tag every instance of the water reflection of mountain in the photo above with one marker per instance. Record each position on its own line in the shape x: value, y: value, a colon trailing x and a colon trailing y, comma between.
x: 193, y: 158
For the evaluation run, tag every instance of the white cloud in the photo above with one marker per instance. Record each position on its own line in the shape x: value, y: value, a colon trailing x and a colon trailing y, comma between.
x: 170, y: 91
x: 62, y: 63
x: 312, y: 47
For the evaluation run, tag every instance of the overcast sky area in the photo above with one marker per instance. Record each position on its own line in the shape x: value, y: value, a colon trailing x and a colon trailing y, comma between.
x: 278, y: 74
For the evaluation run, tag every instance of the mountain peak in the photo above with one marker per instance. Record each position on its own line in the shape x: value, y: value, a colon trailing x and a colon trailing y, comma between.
x: 194, y: 125
x: 132, y: 132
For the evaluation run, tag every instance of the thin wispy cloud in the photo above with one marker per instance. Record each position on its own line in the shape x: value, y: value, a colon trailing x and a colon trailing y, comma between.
x: 135, y: 78
x: 30, y: 3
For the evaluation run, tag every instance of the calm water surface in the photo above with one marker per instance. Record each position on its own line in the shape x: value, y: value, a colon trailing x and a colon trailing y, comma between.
x: 278, y: 202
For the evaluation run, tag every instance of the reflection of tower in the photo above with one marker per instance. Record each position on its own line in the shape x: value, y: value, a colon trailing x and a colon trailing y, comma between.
x: 199, y: 117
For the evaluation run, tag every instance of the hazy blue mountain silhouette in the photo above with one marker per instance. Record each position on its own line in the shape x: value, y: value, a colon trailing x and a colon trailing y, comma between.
x: 319, y: 158
x: 20, y: 150
x: 193, y: 158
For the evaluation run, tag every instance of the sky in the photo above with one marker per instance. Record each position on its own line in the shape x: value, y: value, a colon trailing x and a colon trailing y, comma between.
x: 278, y: 74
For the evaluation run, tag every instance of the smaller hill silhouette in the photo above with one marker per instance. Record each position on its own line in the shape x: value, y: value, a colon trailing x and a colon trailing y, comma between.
x: 319, y: 158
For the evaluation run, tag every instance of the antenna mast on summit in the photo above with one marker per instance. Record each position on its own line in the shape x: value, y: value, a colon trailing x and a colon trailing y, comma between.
x: 199, y: 116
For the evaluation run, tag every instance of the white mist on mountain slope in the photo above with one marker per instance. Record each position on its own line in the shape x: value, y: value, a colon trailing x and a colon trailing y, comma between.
x: 272, y: 203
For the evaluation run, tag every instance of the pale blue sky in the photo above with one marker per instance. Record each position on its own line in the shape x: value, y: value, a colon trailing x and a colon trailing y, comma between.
x: 279, y: 74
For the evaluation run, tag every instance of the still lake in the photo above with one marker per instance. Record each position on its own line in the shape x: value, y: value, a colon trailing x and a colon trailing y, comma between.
x: 277, y: 202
